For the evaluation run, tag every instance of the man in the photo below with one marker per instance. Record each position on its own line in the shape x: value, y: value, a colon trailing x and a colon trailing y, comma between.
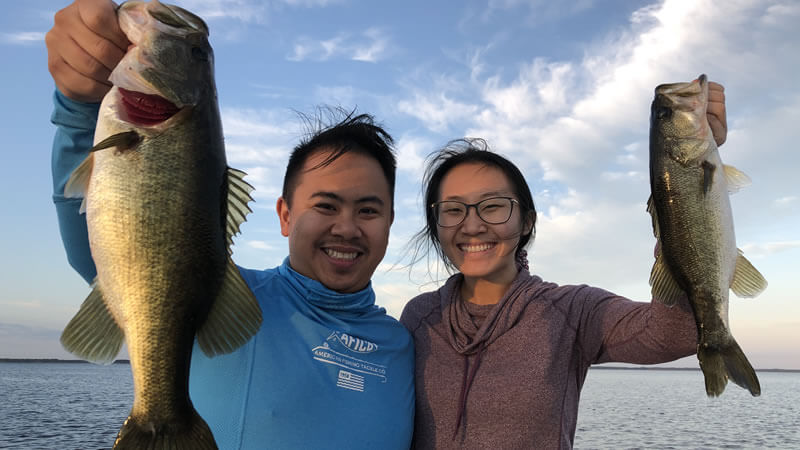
x: 328, y: 368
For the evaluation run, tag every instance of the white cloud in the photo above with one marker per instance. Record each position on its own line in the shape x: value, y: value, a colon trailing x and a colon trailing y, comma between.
x: 260, y: 245
x: 22, y: 37
x: 369, y: 46
x: 411, y: 153
x: 768, y: 248
x: 436, y: 111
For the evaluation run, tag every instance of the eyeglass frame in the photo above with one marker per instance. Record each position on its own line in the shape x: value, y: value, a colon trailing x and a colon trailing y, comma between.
x: 477, y: 211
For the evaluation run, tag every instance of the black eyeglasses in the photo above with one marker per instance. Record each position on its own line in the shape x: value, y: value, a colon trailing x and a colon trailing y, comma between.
x: 494, y: 211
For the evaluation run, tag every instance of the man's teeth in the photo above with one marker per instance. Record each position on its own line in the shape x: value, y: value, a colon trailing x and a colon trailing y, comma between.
x: 341, y: 255
x: 476, y: 247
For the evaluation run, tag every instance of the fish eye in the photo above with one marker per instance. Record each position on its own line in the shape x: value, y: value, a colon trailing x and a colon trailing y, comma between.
x: 199, y: 54
x: 663, y: 112
x: 168, y: 18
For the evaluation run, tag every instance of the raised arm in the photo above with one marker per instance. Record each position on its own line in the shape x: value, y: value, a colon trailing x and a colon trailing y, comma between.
x: 83, y: 46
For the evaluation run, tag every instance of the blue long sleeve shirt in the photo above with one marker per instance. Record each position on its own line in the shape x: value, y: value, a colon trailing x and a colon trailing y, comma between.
x: 325, y: 370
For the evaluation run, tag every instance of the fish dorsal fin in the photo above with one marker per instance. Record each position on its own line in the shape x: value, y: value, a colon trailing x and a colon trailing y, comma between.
x: 747, y: 280
x: 651, y: 208
x: 662, y: 283
x: 238, y: 198
x: 735, y: 178
x: 93, y: 334
x: 234, y: 316
x: 78, y: 183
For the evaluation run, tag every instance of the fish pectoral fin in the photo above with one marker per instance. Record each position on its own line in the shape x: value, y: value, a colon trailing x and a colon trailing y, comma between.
x: 747, y: 280
x: 708, y: 176
x: 93, y: 334
x: 123, y: 141
x: 78, y: 182
x: 651, y: 208
x: 234, y: 317
x: 237, y: 209
x: 735, y: 178
x: 662, y: 283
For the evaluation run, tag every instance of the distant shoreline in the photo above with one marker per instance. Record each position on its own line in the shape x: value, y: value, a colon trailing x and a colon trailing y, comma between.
x: 55, y: 360
x: 598, y: 367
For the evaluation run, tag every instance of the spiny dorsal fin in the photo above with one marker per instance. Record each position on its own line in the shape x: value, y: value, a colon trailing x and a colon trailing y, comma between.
x: 662, y: 283
x: 747, y: 280
x: 93, y: 334
x: 78, y: 183
x: 238, y: 198
x: 735, y: 178
x: 234, y: 316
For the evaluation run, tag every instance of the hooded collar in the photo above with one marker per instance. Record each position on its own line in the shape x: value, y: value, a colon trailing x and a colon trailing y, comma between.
x: 320, y: 296
x: 468, y: 336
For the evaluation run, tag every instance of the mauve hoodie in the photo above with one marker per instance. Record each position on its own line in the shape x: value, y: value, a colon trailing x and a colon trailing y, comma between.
x: 509, y: 375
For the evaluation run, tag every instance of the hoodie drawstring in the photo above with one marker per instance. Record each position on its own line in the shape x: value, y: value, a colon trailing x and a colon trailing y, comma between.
x: 466, y: 383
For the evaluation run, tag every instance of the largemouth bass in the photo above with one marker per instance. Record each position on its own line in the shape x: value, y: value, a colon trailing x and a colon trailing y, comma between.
x: 693, y: 223
x: 161, y: 207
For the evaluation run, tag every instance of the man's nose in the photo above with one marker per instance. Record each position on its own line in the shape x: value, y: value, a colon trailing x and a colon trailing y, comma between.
x: 346, y: 226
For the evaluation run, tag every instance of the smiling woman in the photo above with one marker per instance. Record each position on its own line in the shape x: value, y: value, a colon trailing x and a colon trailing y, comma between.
x: 519, y: 346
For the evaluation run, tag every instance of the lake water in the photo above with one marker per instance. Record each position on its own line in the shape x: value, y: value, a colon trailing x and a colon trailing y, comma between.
x: 81, y: 406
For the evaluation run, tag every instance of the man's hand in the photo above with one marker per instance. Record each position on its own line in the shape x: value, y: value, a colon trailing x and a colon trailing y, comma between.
x: 83, y: 46
x: 716, y: 112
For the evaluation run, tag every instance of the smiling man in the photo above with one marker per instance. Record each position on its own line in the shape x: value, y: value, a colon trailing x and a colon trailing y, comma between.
x: 328, y: 368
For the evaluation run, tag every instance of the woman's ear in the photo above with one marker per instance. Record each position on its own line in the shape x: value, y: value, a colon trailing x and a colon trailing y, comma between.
x: 530, y: 219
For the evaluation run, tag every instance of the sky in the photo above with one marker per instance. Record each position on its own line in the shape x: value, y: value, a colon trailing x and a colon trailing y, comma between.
x: 561, y: 88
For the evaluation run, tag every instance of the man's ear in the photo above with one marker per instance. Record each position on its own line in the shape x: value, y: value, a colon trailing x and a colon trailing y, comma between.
x: 284, y: 215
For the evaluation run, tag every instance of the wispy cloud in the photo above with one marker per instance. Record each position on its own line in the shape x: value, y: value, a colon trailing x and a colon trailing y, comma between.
x: 22, y: 37
x: 768, y: 248
x: 369, y: 46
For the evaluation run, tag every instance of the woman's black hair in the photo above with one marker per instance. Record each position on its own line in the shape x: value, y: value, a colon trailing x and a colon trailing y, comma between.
x: 439, y: 163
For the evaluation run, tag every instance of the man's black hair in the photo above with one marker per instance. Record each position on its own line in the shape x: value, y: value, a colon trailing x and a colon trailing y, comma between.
x: 349, y: 133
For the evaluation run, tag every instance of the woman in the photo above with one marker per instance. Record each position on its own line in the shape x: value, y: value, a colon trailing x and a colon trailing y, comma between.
x: 501, y: 355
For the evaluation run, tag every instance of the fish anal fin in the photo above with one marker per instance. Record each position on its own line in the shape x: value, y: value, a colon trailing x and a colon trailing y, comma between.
x: 662, y: 283
x: 735, y: 178
x: 747, y: 280
x: 234, y: 317
x: 93, y: 334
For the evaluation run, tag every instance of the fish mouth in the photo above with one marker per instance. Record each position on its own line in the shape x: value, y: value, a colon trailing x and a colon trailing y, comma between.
x: 146, y: 109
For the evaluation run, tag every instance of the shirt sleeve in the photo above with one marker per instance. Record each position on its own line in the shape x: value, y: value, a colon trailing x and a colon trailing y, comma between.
x: 615, y: 329
x: 75, y: 123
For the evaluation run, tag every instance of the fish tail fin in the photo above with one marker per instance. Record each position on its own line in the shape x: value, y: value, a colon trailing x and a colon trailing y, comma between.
x: 193, y: 435
x: 728, y: 362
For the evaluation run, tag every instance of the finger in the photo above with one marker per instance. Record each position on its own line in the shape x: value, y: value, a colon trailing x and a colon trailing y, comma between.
x: 63, y: 48
x: 96, y: 31
x: 718, y: 130
x: 100, y: 17
x: 74, y: 84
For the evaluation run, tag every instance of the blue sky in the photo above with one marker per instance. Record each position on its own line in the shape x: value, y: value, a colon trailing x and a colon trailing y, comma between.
x: 562, y: 89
